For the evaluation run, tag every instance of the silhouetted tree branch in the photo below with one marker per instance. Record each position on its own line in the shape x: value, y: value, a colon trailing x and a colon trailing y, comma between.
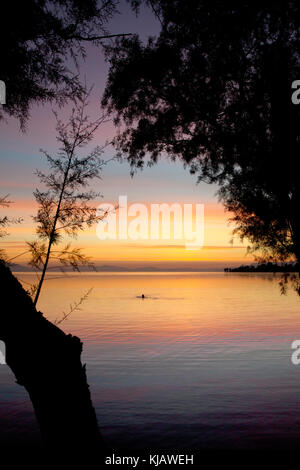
x: 64, y: 205
x: 219, y: 99
x: 41, y: 47
x: 5, y: 221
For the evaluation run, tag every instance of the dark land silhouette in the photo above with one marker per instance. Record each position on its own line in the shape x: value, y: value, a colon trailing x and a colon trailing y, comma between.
x: 47, y: 362
x: 265, y: 268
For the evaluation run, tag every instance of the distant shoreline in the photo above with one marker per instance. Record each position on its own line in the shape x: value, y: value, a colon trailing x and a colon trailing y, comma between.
x: 126, y: 271
x: 253, y: 268
x: 265, y: 268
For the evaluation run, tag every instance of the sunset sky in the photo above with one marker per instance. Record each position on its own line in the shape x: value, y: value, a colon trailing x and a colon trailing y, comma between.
x: 166, y: 182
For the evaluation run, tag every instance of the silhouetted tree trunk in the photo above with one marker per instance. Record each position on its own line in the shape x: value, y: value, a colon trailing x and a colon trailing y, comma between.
x: 47, y: 363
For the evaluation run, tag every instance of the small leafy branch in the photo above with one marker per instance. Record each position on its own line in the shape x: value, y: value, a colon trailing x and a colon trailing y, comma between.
x: 73, y: 307
x: 5, y: 221
x: 65, y: 204
x: 289, y: 280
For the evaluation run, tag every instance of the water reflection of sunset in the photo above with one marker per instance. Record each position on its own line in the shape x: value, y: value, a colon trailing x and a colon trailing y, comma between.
x: 184, y: 307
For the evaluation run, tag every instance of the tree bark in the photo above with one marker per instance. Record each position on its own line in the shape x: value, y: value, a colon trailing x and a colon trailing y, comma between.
x: 47, y: 363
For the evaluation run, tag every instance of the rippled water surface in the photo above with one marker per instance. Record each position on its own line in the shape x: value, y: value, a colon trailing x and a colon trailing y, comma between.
x: 203, y: 361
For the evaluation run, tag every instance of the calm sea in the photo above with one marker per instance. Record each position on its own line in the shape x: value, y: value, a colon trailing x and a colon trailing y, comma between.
x: 202, y: 362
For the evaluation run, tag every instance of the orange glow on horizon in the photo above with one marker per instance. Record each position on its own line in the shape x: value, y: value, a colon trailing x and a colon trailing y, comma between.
x: 217, y: 236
